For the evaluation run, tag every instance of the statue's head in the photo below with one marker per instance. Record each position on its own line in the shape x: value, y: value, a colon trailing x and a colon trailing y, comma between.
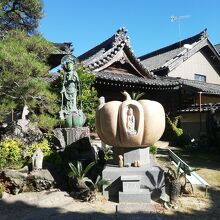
x: 69, y: 66
x: 130, y: 111
x: 69, y: 62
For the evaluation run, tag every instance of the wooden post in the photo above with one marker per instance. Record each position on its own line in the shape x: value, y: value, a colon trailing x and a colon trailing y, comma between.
x: 206, y: 190
x: 200, y: 112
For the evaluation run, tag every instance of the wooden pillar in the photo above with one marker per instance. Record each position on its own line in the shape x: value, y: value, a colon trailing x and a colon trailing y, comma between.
x: 200, y: 112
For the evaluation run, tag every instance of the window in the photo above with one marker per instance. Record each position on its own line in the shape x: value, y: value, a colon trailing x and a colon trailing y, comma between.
x: 199, y: 77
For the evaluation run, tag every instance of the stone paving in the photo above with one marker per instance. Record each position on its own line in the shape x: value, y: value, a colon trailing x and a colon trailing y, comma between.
x: 57, y: 205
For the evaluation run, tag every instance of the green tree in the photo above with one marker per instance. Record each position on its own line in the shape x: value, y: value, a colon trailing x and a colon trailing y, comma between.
x: 88, y: 97
x: 23, y: 74
x: 20, y: 14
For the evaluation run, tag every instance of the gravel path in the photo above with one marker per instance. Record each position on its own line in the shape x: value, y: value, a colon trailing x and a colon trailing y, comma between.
x: 57, y: 205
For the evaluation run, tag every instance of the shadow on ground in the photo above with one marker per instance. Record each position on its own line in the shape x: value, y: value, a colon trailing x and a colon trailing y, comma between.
x: 20, y: 210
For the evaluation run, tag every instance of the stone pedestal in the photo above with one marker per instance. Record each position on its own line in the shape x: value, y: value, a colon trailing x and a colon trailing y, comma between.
x: 74, y: 134
x: 147, y: 182
x: 132, y: 154
x: 131, y: 190
x: 66, y: 136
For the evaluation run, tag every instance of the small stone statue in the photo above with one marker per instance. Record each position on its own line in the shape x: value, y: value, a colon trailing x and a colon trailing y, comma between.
x: 37, y: 160
x: 131, y: 122
x: 135, y: 164
x: 22, y: 124
x: 120, y: 161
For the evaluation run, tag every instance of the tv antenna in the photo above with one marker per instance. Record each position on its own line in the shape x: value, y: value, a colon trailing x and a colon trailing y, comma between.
x: 179, y: 18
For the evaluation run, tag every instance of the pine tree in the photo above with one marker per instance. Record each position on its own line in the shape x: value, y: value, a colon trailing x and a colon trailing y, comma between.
x: 20, y: 14
x: 23, y: 74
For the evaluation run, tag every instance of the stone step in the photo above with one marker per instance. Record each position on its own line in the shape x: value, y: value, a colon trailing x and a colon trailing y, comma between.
x: 150, y: 178
x: 142, y: 196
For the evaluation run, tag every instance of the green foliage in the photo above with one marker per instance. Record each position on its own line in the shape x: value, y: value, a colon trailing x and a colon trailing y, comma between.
x: 108, y: 153
x: 88, y: 97
x: 153, y: 149
x: 2, y: 189
x: 45, y: 122
x: 137, y: 95
x: 23, y: 76
x: 20, y: 14
x: 175, y: 173
x: 11, y: 153
x: 78, y: 171
x: 173, y: 124
x: 100, y: 182
x: 44, y: 146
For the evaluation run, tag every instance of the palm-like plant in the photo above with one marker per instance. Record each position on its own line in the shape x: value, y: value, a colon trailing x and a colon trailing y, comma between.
x: 84, y: 192
x: 174, y: 183
x: 78, y: 171
x: 99, y: 183
x: 80, y: 175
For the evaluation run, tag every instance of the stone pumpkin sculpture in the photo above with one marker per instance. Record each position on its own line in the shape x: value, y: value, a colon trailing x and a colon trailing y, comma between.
x: 130, y: 123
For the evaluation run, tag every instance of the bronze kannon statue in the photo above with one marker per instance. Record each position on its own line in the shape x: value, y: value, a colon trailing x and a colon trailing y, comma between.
x: 73, y: 116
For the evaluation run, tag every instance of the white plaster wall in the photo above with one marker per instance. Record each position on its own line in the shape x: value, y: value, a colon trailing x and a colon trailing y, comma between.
x: 196, y: 64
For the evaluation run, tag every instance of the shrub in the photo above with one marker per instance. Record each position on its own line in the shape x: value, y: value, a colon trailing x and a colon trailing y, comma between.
x: 2, y: 189
x: 11, y: 153
x: 173, y: 124
x: 49, y: 155
x: 45, y: 122
x: 153, y: 149
x: 88, y: 97
x: 44, y: 146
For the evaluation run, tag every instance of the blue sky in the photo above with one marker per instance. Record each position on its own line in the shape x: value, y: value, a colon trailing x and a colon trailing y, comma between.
x: 87, y: 23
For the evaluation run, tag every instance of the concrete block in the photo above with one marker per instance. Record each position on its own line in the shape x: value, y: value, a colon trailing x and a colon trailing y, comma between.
x: 131, y: 183
x: 152, y: 177
x: 139, y: 154
x: 143, y: 196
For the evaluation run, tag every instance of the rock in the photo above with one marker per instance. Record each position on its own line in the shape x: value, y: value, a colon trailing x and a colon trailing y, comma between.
x: 5, y: 195
x: 59, y: 140
x: 41, y: 180
x: 24, y: 169
x: 15, y: 180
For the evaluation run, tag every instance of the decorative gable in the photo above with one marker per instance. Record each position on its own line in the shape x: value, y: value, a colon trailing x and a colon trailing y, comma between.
x: 115, y: 55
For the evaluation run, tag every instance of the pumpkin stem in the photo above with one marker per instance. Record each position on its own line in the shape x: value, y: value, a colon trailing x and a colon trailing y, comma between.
x: 128, y: 97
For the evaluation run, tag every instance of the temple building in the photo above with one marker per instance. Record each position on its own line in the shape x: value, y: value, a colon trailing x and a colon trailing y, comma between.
x: 184, y: 77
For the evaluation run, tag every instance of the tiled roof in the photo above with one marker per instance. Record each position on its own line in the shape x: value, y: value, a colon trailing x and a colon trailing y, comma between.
x: 197, y: 86
x: 110, y: 51
x: 217, y: 47
x: 62, y: 49
x: 158, y: 61
x: 160, y: 58
x: 130, y: 78
x: 204, y: 87
x: 204, y: 108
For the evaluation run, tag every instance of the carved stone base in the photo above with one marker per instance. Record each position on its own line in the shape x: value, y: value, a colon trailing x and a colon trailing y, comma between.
x: 135, y: 187
x: 66, y: 136
x: 130, y: 155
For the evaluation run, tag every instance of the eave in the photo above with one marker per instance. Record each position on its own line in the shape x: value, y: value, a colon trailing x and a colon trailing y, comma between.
x: 115, y: 49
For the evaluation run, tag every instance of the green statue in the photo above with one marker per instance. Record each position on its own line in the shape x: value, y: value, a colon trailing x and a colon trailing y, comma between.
x: 73, y: 116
